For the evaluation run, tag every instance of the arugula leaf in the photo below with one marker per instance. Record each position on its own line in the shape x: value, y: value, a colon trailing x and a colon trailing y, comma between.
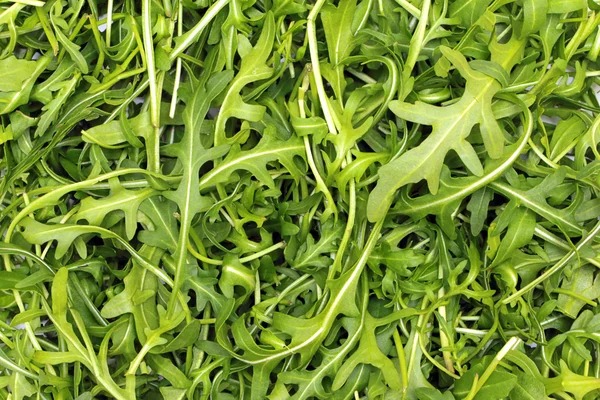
x: 309, y: 255
x: 281, y: 199
x: 127, y: 201
x: 190, y: 155
x: 451, y: 126
x: 252, y: 68
x: 13, y: 72
x: 527, y: 388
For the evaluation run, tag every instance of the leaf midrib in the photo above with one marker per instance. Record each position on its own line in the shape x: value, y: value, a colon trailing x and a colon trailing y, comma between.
x: 141, y: 194
x: 323, y: 242
x: 539, y: 209
x: 342, y: 351
x: 484, y: 180
x: 226, y: 165
x: 445, y: 131
x: 331, y: 309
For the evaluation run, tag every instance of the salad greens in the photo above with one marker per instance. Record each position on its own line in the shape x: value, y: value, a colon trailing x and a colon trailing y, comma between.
x: 350, y: 199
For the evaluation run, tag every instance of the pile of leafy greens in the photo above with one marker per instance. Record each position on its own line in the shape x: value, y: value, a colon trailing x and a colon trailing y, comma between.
x: 273, y: 199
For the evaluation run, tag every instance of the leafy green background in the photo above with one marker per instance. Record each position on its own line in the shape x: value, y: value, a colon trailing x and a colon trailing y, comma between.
x: 353, y: 199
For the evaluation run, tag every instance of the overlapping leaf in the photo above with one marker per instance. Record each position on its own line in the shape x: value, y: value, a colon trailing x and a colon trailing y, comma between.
x: 188, y: 191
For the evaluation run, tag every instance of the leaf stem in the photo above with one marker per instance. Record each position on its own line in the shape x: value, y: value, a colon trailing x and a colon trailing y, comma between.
x: 416, y: 42
x: 550, y: 237
x: 177, y: 63
x: 263, y: 252
x: 57, y: 193
x: 510, y: 345
x: 321, y: 186
x: 192, y: 35
x: 243, y: 260
x: 33, y: 3
x: 315, y: 66
x: 444, y: 342
x: 401, y: 360
x: 202, y: 258
x: 153, y: 150
x: 414, y: 11
x: 555, y: 268
x: 109, y: 20
x: 577, y: 296
x: 337, y: 264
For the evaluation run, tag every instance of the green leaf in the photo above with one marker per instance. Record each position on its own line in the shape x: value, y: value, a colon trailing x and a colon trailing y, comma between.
x: 170, y: 393
x: 253, y: 67
x: 310, y: 383
x: 185, y: 338
x: 534, y: 16
x: 451, y: 127
x: 77, y: 350
x: 536, y: 200
x: 64, y: 234
x: 469, y: 11
x: 14, y: 72
x: 120, y: 199
x: 192, y: 156
x: 497, y: 387
x: 433, y: 394
x: 565, y: 6
x: 69, y: 46
x: 52, y: 109
x: 565, y: 135
x: 528, y: 388
x: 368, y: 352
x: 357, y: 168
x: 453, y: 190
x: 162, y: 214
x: 478, y: 206
x: 583, y: 283
x: 235, y: 274
x: 21, y: 387
x: 169, y: 371
x: 309, y: 256
x: 588, y: 210
x: 10, y: 100
x: 398, y: 260
x: 521, y: 227
x: 337, y: 24
x: 269, y: 149
x: 11, y: 279
x: 204, y: 287
x: 113, y: 133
